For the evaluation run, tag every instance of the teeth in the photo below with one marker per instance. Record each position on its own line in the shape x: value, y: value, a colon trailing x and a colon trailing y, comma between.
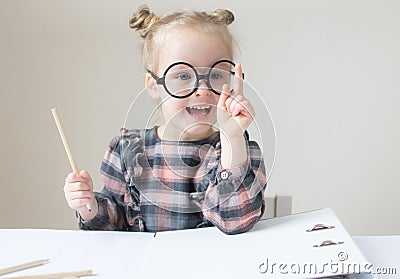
x: 199, y: 107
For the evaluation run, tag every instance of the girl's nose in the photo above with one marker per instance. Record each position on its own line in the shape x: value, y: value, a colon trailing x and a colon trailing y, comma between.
x: 202, y: 88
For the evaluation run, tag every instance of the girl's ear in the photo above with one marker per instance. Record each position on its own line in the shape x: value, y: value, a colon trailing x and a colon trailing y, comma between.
x: 151, y: 86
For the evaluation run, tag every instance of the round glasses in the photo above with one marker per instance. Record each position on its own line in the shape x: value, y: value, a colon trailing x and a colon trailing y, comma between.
x: 181, y: 79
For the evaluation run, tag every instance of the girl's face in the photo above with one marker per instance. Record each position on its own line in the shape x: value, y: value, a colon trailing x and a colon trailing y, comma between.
x: 190, y: 118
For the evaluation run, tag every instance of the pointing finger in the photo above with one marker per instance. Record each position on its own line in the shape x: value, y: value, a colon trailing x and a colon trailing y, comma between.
x: 238, y: 80
x: 224, y: 95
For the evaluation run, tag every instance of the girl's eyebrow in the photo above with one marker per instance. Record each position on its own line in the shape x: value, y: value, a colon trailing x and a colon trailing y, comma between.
x: 180, y: 66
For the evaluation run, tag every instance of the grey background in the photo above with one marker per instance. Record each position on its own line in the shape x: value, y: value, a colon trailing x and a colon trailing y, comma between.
x: 328, y: 71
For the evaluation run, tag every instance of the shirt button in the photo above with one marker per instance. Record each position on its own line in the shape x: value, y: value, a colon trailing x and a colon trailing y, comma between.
x: 224, y: 174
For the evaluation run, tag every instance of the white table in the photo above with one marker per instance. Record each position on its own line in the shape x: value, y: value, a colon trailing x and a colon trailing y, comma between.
x: 197, y: 253
x: 382, y: 252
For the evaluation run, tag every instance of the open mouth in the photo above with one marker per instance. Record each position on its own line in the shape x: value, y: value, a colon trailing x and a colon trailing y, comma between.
x: 198, y: 110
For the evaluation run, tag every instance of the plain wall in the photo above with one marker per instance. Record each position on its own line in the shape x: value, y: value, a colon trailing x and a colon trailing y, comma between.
x: 328, y: 71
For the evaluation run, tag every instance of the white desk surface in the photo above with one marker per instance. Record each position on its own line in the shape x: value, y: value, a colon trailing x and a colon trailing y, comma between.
x: 108, y: 254
x: 190, y: 253
x: 381, y: 251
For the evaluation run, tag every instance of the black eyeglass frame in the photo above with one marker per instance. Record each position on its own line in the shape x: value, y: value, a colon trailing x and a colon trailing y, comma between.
x: 206, y: 77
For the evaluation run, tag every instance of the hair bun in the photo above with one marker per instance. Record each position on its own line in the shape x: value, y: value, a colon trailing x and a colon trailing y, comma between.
x: 224, y: 16
x: 142, y: 20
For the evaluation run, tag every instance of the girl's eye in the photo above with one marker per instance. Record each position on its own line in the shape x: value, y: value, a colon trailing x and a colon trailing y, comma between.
x: 216, y: 76
x: 183, y: 76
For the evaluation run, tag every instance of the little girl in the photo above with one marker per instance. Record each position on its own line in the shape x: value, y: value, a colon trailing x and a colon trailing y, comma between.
x: 199, y: 168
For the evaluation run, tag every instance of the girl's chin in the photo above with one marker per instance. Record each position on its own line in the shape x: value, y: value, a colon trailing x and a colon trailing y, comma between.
x: 203, y: 127
x: 200, y: 130
x: 189, y: 133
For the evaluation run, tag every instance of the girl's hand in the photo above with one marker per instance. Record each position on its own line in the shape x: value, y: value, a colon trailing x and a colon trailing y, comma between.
x: 78, y: 190
x: 235, y: 113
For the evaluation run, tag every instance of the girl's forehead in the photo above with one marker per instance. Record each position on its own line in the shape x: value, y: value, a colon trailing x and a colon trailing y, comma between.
x: 197, y: 47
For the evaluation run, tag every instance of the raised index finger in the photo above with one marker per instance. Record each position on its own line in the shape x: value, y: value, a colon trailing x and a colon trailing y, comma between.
x: 224, y: 95
x: 238, y: 80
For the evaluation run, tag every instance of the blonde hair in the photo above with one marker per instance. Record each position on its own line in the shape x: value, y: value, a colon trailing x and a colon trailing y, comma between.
x: 149, y: 27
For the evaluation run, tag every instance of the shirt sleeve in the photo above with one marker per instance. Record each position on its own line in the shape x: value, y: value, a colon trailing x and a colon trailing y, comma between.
x: 110, y: 200
x: 234, y: 200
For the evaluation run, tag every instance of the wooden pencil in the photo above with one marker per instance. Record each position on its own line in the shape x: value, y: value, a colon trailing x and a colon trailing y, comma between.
x: 66, y: 146
x: 72, y: 274
x: 22, y: 266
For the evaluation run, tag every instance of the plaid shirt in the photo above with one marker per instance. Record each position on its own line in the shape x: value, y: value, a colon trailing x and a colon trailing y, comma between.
x: 157, y: 185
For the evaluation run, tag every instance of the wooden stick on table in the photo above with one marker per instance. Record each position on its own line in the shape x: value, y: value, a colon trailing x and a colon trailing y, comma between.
x: 66, y: 146
x: 22, y: 266
x: 62, y: 275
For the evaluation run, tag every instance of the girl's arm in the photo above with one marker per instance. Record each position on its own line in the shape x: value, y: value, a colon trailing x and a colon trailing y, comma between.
x: 110, y: 200
x: 234, y: 201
